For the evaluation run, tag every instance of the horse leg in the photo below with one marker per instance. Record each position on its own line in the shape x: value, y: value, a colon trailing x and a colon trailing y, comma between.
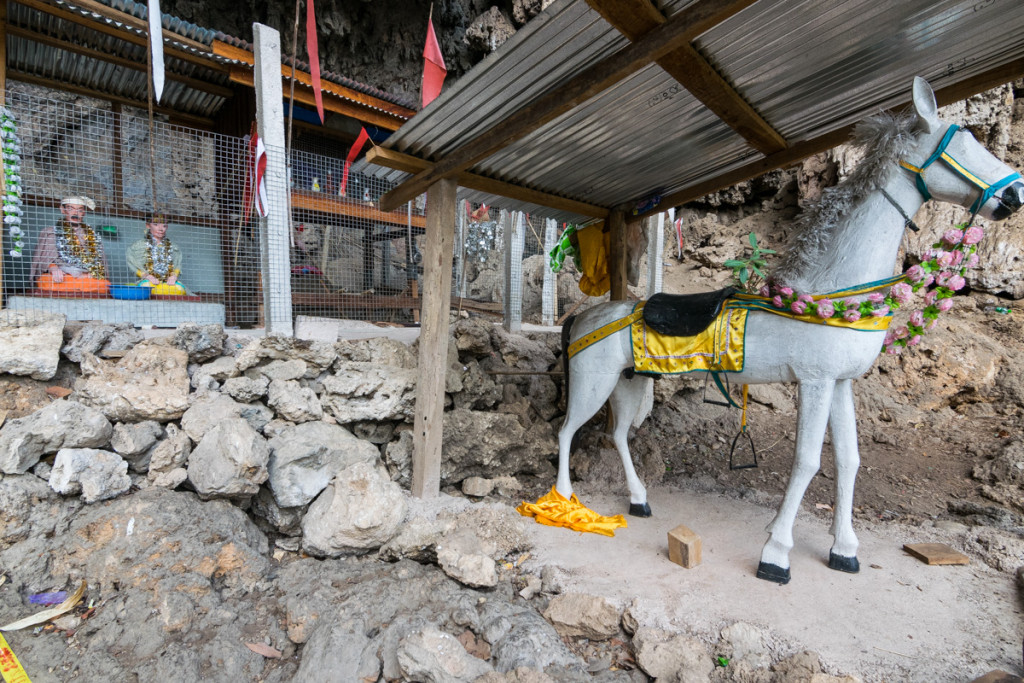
x: 626, y: 400
x: 843, y: 555
x: 812, y: 419
x: 587, y: 394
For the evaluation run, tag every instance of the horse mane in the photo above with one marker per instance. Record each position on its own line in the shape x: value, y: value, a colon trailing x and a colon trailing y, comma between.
x: 885, y: 138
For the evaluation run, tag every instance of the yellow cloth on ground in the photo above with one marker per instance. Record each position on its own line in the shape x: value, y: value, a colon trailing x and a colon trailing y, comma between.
x: 553, y: 509
x: 718, y: 348
x: 594, y: 245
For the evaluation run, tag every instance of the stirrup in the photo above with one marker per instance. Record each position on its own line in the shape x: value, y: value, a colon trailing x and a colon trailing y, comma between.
x: 728, y: 402
x: 742, y: 432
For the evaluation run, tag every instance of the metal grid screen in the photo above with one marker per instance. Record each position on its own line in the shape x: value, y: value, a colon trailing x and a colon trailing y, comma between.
x: 82, y: 229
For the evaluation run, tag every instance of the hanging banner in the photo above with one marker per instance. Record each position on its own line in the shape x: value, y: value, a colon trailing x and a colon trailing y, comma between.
x: 156, y: 47
x: 314, y: 58
x: 434, y: 70
x: 259, y: 182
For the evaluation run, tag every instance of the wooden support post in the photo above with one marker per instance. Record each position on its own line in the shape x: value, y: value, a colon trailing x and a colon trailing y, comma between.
x: 549, y: 293
x: 3, y: 103
x: 433, y: 362
x: 617, y: 255
x: 515, y: 227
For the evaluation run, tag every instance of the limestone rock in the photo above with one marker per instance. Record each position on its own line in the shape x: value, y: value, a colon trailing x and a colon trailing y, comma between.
x: 339, y: 653
x: 212, y: 409
x: 672, y: 657
x: 61, y: 424
x: 30, y: 343
x: 295, y: 368
x: 171, y: 479
x: 294, y: 402
x: 200, y: 342
x: 97, y: 475
x: 474, y: 569
x: 229, y: 462
x: 246, y: 389
x: 219, y: 369
x: 171, y: 453
x: 433, y: 656
x: 285, y: 520
x: 317, y: 355
x: 367, y: 391
x: 486, y: 444
x: 122, y: 337
x: 378, y: 350
x: 747, y: 643
x: 133, y: 442
x: 29, y: 508
x: 575, y: 614
x: 306, y: 457
x: 150, y: 383
x: 477, y: 487
x: 89, y: 338
x: 358, y: 512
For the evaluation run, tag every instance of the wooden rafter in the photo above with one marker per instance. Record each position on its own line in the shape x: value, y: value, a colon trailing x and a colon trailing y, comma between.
x: 101, y: 26
x: 799, y: 151
x: 123, y: 62
x: 410, y: 164
x: 677, y: 31
x: 635, y: 18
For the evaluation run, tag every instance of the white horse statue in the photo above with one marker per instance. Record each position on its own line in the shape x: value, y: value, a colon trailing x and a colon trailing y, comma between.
x: 851, y: 237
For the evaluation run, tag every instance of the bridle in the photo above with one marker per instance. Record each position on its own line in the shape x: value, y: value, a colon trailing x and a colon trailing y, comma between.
x: 987, y: 191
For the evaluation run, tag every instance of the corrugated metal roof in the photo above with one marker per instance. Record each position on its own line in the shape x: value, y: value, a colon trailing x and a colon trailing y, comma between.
x: 808, y: 67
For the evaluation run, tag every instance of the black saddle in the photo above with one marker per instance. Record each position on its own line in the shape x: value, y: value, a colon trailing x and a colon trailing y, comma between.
x: 684, y: 315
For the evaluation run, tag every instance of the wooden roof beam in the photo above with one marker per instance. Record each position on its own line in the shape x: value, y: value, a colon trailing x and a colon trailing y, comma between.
x: 948, y: 95
x: 410, y: 164
x: 132, y: 64
x: 636, y: 18
x: 655, y: 44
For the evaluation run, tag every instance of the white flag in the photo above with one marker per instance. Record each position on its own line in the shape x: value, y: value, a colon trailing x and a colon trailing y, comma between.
x: 156, y: 43
x: 260, y: 183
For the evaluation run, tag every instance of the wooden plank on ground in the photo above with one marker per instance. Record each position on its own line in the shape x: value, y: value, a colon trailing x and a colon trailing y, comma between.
x: 936, y: 553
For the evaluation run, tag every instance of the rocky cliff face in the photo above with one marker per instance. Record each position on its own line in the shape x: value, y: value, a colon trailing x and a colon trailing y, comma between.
x: 378, y: 43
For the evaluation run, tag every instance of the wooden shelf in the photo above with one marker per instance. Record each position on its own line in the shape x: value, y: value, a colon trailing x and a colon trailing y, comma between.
x: 370, y: 215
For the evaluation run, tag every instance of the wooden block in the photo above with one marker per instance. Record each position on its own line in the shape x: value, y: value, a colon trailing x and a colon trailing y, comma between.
x: 684, y: 547
x: 935, y: 553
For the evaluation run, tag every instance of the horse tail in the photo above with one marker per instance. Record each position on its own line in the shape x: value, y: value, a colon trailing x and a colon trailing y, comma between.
x: 566, y: 331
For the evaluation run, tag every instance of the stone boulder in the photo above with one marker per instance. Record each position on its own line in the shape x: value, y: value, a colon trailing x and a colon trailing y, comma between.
x: 295, y: 368
x: 200, y: 342
x: 30, y: 343
x: 133, y: 442
x: 30, y: 508
x: 149, y: 383
x: 378, y: 350
x: 433, y: 656
x: 358, y: 512
x: 672, y: 657
x: 210, y: 410
x: 62, y: 424
x: 229, y: 462
x: 167, y: 459
x: 97, y: 475
x: 305, y: 458
x: 579, y: 615
x: 294, y: 402
x: 246, y: 389
x: 491, y: 445
x: 88, y: 339
x: 367, y: 391
x: 318, y: 356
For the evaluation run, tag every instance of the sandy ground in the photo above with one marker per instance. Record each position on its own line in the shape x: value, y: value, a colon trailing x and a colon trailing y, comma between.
x: 897, y: 620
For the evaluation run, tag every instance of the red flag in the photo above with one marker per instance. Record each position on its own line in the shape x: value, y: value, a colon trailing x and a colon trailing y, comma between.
x: 433, y: 67
x: 314, y: 58
x: 357, y: 147
x: 259, y: 184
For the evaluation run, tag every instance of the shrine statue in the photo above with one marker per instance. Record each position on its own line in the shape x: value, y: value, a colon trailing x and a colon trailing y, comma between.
x: 156, y: 260
x: 69, y: 256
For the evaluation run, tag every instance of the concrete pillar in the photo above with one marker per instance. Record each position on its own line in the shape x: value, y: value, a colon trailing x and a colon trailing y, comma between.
x: 655, y: 254
x: 274, y: 229
x: 515, y: 228
x: 549, y: 294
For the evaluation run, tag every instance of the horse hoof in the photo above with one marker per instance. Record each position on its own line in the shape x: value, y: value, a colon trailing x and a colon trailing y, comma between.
x: 639, y: 510
x: 773, y: 572
x: 840, y: 563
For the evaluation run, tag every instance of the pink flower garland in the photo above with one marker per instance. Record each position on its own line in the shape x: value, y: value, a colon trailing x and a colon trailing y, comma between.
x: 940, y: 273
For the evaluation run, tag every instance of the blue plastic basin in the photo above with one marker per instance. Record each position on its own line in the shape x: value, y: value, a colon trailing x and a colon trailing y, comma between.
x: 129, y: 292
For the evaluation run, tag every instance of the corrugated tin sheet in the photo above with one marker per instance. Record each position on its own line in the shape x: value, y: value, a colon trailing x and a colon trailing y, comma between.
x: 807, y: 66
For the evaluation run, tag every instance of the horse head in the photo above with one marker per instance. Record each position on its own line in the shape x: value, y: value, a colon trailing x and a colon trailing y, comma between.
x: 950, y: 165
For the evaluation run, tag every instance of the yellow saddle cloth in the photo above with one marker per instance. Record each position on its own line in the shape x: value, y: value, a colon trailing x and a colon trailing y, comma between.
x: 552, y: 509
x: 718, y: 348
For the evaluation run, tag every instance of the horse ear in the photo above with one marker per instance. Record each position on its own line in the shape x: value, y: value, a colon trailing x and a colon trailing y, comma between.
x: 925, y: 106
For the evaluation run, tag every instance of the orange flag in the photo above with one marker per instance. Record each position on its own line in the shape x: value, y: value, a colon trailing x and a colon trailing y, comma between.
x: 314, y: 58
x: 434, y: 70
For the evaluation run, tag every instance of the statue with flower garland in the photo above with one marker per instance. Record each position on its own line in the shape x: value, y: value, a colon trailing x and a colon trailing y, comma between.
x: 156, y: 260
x: 69, y: 256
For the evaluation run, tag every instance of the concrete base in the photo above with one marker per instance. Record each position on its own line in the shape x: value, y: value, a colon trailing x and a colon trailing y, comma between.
x: 139, y: 313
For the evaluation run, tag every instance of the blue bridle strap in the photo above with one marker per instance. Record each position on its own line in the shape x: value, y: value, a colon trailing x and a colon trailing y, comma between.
x: 987, y: 191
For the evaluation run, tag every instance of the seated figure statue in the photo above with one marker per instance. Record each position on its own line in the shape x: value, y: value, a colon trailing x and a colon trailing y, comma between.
x: 69, y: 257
x: 156, y: 260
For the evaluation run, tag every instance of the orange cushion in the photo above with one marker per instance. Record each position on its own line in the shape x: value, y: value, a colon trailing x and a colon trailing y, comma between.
x: 84, y: 284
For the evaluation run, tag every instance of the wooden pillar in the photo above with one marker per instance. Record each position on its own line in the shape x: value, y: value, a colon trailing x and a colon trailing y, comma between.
x: 3, y: 103
x: 617, y: 254
x: 433, y: 362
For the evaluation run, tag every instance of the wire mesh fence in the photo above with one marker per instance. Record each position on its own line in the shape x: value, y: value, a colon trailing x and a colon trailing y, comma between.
x: 110, y: 216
